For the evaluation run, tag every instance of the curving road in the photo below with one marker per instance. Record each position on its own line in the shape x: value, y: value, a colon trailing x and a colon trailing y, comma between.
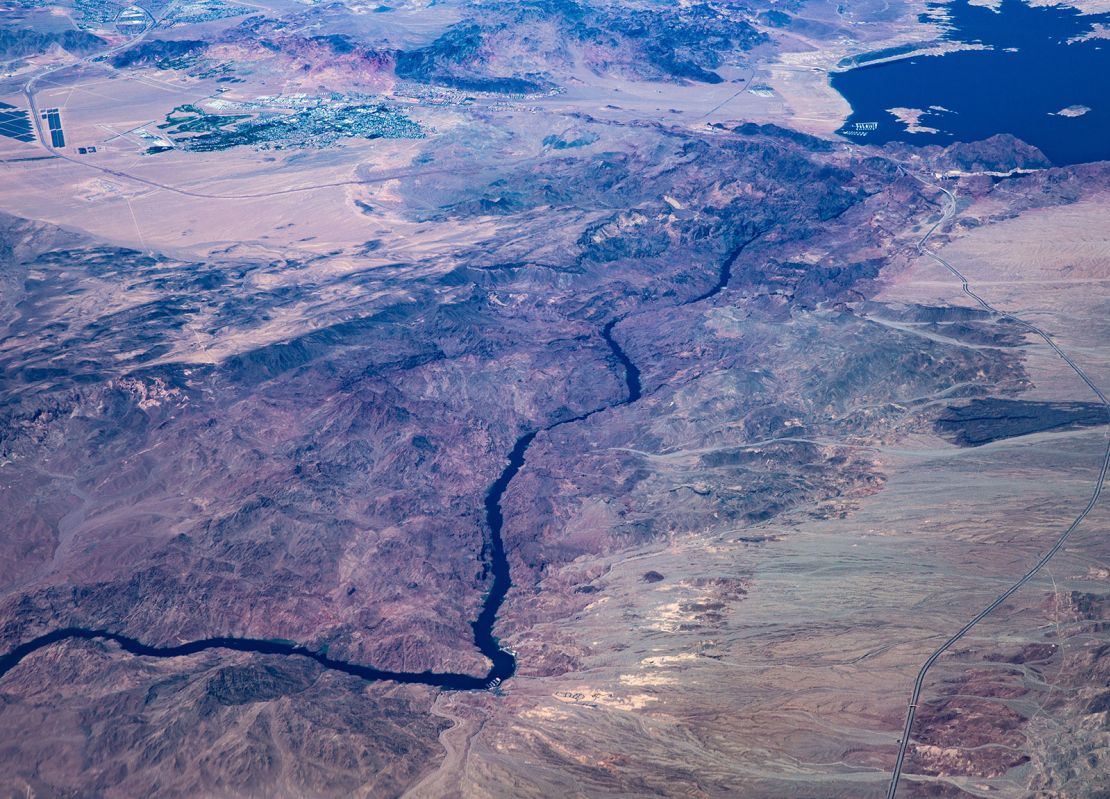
x: 915, y: 696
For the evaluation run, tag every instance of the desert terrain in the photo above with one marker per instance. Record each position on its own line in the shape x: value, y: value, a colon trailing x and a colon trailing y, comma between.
x: 543, y: 399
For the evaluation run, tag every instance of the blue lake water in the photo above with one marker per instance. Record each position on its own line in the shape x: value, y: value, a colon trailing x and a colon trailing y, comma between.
x: 1038, y: 64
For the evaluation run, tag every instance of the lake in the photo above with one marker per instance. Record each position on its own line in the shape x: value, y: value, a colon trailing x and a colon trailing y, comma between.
x: 1042, y: 77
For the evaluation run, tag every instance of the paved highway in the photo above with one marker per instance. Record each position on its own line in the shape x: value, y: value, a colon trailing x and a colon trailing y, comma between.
x: 915, y: 697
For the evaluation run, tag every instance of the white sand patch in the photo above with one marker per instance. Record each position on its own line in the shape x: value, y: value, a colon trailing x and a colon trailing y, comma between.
x: 668, y: 660
x: 646, y: 680
x: 585, y: 695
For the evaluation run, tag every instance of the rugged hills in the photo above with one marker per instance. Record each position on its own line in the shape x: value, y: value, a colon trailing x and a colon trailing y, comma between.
x: 596, y: 298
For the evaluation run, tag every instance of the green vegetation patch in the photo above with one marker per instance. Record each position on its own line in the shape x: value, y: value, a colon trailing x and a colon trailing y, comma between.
x: 192, y: 128
x: 202, y: 11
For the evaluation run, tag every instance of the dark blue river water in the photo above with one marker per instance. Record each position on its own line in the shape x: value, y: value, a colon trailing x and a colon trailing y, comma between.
x: 1038, y: 64
x: 502, y: 661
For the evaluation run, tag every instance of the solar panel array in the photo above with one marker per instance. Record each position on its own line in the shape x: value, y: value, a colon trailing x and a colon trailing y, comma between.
x: 15, y: 123
x: 54, y: 120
